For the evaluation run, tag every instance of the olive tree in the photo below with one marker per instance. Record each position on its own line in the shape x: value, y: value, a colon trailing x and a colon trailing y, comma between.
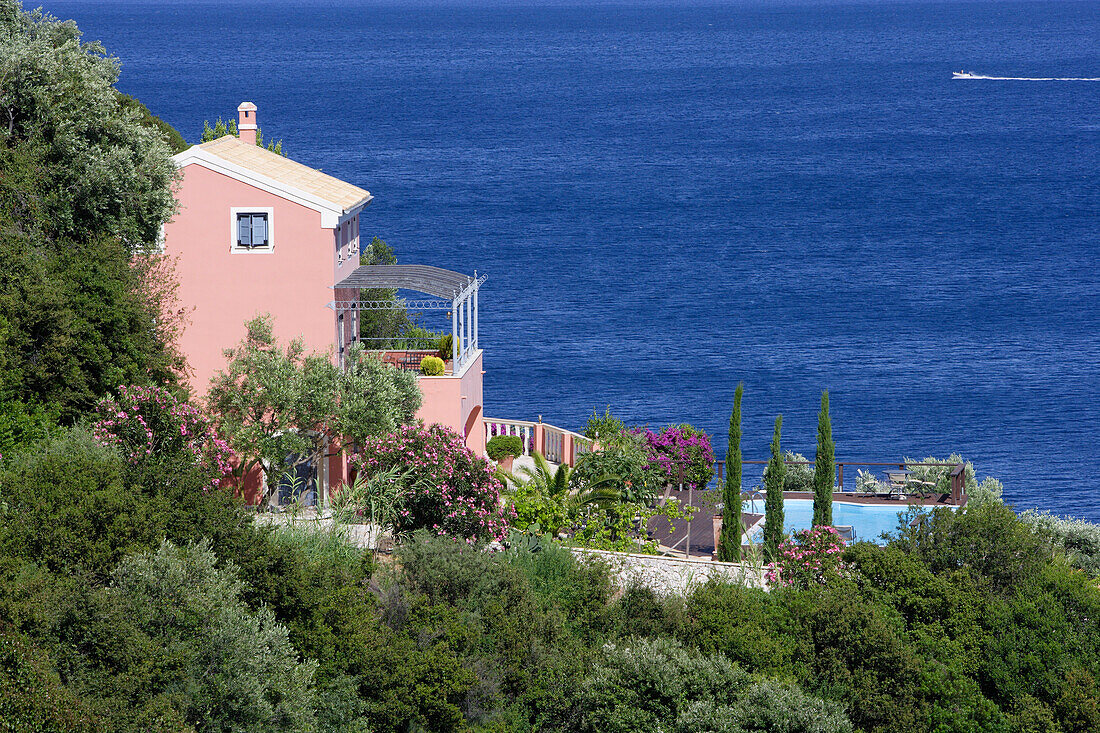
x: 104, y: 171
x: 224, y: 665
x: 272, y: 402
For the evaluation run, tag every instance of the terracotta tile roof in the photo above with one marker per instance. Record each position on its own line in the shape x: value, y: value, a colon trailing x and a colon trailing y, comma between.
x: 288, y: 172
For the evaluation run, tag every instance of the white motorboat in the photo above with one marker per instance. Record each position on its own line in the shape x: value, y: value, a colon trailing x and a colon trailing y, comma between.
x: 963, y: 75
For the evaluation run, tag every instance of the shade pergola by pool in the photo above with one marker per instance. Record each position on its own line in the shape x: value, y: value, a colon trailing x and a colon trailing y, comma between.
x: 450, y: 291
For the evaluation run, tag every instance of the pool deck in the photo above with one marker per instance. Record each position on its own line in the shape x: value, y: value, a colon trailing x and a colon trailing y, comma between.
x: 853, y: 497
x: 673, y: 534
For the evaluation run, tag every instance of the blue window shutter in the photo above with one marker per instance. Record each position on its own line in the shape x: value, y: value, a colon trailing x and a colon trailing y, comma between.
x: 244, y: 230
x: 259, y: 230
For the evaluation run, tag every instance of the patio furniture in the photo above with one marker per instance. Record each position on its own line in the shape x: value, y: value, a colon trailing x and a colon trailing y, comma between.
x: 846, y: 531
x: 921, y: 487
x: 897, y: 482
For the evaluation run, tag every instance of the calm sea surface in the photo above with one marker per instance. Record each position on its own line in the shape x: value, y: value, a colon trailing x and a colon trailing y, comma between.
x: 672, y: 197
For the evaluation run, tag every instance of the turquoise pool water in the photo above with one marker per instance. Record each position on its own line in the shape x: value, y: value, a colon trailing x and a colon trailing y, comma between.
x: 869, y: 521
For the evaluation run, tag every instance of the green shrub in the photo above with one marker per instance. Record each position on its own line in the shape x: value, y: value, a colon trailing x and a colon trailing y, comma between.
x: 504, y: 445
x: 798, y: 476
x: 32, y: 696
x: 604, y: 427
x: 446, y: 347
x: 1078, y: 539
x: 75, y: 505
x: 432, y: 366
x: 657, y: 684
x: 230, y: 668
x: 621, y: 464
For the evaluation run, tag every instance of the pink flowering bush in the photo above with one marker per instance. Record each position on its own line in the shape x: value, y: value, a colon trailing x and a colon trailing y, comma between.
x: 448, y: 489
x: 150, y: 423
x: 679, y: 447
x: 809, y: 557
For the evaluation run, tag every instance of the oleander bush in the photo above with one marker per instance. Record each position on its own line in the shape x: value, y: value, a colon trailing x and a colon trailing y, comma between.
x: 810, y: 557
x: 432, y: 366
x: 504, y: 445
x: 150, y: 424
x: 450, y: 490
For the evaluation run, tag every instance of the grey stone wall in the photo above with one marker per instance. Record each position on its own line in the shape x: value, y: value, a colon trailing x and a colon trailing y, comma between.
x: 672, y: 575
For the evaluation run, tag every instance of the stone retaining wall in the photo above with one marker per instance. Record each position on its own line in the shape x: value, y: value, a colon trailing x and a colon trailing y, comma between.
x: 672, y: 575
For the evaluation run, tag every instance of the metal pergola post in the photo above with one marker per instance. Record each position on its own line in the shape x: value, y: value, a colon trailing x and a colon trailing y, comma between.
x: 476, y: 288
x: 454, y: 334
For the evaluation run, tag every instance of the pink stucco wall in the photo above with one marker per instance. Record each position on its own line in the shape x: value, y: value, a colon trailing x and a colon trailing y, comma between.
x: 456, y: 403
x: 222, y: 289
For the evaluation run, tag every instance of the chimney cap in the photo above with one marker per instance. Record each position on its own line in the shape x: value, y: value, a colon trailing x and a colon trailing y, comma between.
x: 246, y: 107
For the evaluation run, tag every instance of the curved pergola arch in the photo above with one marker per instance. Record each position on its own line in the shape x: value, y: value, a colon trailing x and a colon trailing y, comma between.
x: 452, y: 291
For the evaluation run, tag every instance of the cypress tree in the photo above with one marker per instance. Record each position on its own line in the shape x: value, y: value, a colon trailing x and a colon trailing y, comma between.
x: 729, y: 544
x: 824, y: 466
x: 773, y: 501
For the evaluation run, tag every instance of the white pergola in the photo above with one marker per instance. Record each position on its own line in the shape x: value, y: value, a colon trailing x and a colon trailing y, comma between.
x: 450, y: 291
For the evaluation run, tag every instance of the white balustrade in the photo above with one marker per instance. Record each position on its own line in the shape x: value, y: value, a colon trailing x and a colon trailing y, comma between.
x: 519, y: 428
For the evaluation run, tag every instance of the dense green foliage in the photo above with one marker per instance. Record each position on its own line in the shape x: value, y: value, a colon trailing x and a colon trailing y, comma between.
x: 85, y: 183
x: 970, y: 621
x: 504, y: 445
x: 227, y: 667
x: 773, y: 499
x: 824, y: 467
x: 729, y: 544
x: 542, y: 495
x: 644, y: 684
x: 603, y: 427
x: 622, y: 462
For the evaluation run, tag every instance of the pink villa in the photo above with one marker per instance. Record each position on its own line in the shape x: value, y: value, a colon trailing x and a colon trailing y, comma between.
x: 259, y: 233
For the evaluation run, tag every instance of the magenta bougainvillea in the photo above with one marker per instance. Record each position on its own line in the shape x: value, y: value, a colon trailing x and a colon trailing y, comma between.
x: 680, y: 448
x: 149, y: 423
x: 448, y: 489
x: 809, y: 557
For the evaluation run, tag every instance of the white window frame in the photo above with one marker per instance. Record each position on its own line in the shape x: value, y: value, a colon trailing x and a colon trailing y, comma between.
x: 270, y: 212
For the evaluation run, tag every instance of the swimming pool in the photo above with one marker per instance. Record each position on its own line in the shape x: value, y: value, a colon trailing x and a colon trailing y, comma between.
x: 868, y: 520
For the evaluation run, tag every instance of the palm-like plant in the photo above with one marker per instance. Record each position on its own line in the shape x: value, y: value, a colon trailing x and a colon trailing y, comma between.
x: 543, y: 478
x: 553, y: 497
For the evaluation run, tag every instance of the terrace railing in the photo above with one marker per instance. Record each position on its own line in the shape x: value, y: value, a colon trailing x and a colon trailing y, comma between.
x: 520, y: 428
x: 558, y: 445
x: 957, y: 473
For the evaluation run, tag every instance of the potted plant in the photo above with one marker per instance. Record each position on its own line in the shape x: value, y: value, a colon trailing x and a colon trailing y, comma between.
x: 503, y: 449
x: 432, y: 366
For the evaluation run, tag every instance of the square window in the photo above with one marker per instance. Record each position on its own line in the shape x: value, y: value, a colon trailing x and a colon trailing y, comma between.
x: 252, y: 230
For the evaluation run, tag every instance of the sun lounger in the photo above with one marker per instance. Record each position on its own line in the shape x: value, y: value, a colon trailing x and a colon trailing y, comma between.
x: 846, y: 532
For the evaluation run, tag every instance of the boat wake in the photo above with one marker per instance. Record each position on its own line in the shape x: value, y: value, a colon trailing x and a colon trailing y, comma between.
x: 968, y: 75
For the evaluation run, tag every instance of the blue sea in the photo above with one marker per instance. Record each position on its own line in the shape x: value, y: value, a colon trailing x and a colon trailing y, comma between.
x: 671, y: 197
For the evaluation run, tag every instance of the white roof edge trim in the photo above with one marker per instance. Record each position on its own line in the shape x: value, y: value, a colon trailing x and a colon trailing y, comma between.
x: 356, y: 208
x: 330, y: 212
